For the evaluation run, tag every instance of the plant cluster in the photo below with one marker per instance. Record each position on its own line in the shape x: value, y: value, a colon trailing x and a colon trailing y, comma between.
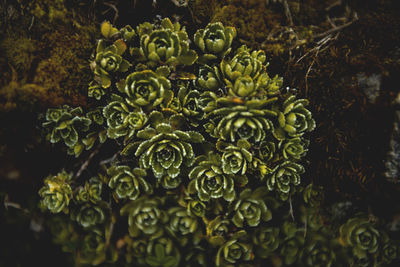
x: 207, y: 166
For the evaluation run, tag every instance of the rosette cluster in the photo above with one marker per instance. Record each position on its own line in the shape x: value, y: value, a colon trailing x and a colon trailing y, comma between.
x: 196, y: 160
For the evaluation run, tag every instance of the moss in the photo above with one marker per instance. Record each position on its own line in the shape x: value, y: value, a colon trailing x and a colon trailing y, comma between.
x: 51, y: 10
x: 19, y: 51
x: 252, y: 19
x: 51, y: 65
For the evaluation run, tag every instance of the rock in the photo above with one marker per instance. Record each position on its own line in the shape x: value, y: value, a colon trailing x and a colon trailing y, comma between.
x: 371, y: 85
x: 392, y: 162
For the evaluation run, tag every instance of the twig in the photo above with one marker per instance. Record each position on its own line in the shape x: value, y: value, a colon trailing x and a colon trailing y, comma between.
x: 106, y: 161
x: 86, y: 163
x: 305, y: 227
x: 115, y: 10
x: 31, y: 25
x: 13, y: 205
x: 287, y: 12
x: 291, y: 207
x: 110, y: 232
x: 337, y: 28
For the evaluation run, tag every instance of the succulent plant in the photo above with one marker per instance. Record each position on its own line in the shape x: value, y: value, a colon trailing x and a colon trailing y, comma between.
x: 215, y: 40
x: 361, y: 236
x: 318, y: 252
x: 96, y: 90
x: 109, y: 60
x: 209, y: 78
x: 293, y: 148
x: 164, y: 149
x: 244, y: 64
x: 267, y: 150
x: 93, y: 248
x: 189, y: 101
x: 284, y: 177
x: 145, y: 216
x: 291, y: 248
x: 127, y: 183
x: 249, y: 120
x: 184, y: 153
x: 266, y: 241
x: 294, y: 119
x: 91, y: 191
x: 209, y: 181
x: 390, y: 250
x: 217, y: 230
x: 127, y: 33
x: 162, y: 252
x: 181, y: 223
x: 123, y: 120
x: 236, y: 159
x: 146, y: 88
x: 64, y: 123
x: 167, y: 45
x: 89, y: 215
x: 56, y: 192
x: 250, y: 208
x: 313, y: 195
x: 233, y: 252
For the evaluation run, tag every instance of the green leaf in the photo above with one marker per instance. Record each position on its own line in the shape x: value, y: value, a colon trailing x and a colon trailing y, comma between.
x: 163, y: 71
x: 107, y: 30
x: 189, y: 58
x: 121, y: 46
x: 129, y: 149
x: 196, y: 137
x: 146, y: 133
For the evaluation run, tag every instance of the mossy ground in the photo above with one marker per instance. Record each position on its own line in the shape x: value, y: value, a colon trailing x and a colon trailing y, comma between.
x: 46, y: 45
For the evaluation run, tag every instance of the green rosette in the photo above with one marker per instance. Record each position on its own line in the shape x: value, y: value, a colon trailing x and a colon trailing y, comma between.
x: 209, y: 181
x: 145, y: 216
x: 162, y: 252
x: 237, y: 159
x: 96, y: 90
x: 215, y: 40
x: 89, y: 215
x: 189, y: 101
x: 267, y: 151
x: 284, y: 178
x: 293, y: 119
x: 266, y: 240
x: 361, y: 236
x: 128, y: 183
x: 196, y: 208
x: 233, y: 119
x: 244, y: 63
x: 233, y: 252
x: 93, y: 249
x: 96, y: 116
x: 390, y: 250
x: 56, y: 192
x: 122, y: 119
x: 146, y: 89
x: 181, y: 223
x: 108, y: 61
x: 209, y: 78
x: 291, y: 248
x: 168, y: 45
x: 250, y: 208
x: 217, y: 230
x: 293, y: 149
x: 165, y: 149
x: 318, y: 252
x: 64, y: 124
x: 91, y: 191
